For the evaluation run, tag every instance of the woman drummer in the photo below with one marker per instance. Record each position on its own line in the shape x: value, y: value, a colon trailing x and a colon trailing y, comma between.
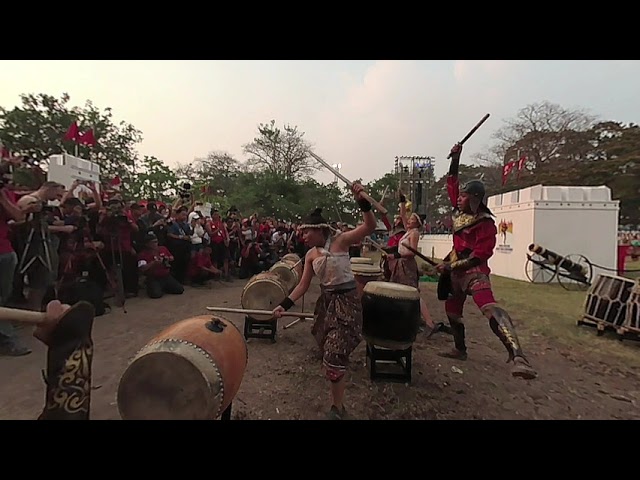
x: 403, y: 265
x: 338, y: 313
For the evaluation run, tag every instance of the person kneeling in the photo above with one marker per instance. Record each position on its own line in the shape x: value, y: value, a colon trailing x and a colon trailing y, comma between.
x: 155, y: 263
x: 201, y: 268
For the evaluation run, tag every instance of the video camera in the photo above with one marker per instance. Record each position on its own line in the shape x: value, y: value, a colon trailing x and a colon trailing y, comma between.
x: 184, y: 191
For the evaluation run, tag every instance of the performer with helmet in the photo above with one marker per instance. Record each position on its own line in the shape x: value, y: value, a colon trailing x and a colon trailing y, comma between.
x: 338, y: 314
x: 465, y: 270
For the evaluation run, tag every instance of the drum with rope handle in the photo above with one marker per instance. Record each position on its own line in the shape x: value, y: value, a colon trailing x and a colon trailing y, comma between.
x: 391, y: 314
x: 190, y: 371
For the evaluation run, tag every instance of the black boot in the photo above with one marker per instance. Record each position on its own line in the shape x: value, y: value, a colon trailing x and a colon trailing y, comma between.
x: 69, y: 361
x: 458, y: 332
x: 503, y: 328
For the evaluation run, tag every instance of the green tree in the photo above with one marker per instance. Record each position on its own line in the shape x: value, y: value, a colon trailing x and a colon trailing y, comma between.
x: 152, y: 179
x: 280, y: 152
x: 36, y: 128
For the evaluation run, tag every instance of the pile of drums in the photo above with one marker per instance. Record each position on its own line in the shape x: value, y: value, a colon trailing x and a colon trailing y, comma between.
x: 266, y: 290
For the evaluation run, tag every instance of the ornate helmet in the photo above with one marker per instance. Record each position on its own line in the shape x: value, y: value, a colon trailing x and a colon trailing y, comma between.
x: 476, y: 191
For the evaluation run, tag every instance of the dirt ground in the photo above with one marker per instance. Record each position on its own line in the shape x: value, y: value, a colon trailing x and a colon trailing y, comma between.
x: 283, y: 379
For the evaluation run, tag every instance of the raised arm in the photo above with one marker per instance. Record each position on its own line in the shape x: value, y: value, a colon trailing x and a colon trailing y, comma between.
x: 359, y: 233
x: 453, y: 183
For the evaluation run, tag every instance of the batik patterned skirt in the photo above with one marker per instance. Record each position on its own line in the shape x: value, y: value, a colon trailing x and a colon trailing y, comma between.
x: 337, y: 328
x: 405, y: 272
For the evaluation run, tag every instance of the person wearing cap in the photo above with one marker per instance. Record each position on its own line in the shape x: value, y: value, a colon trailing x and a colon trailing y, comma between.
x: 338, y: 315
x: 465, y: 270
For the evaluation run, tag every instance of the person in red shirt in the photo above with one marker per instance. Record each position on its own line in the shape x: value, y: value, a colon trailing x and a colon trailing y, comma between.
x: 201, y: 268
x: 9, y: 343
x: 465, y: 270
x: 155, y: 263
x: 217, y: 230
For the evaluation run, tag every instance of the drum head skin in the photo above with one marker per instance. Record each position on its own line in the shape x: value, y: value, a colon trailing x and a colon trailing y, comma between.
x: 264, y: 293
x: 163, y: 386
x: 392, y: 290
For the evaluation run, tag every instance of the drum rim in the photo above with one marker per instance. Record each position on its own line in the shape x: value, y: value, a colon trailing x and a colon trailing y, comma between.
x: 406, y: 292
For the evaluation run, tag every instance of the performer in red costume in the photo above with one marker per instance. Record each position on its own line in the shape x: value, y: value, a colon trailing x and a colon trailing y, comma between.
x: 465, y: 270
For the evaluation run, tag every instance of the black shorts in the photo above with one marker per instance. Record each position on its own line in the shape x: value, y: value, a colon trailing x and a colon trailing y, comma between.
x: 219, y: 253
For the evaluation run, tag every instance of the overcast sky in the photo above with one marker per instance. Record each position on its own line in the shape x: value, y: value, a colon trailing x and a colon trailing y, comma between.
x: 358, y: 113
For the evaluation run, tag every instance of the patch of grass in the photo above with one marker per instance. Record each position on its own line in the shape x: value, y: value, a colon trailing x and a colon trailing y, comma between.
x: 550, y: 311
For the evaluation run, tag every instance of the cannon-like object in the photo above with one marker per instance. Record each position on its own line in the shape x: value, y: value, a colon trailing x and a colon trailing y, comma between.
x: 574, y: 272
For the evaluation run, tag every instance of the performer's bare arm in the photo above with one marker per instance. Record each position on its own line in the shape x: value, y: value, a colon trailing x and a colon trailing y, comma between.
x: 307, y: 275
x: 358, y: 234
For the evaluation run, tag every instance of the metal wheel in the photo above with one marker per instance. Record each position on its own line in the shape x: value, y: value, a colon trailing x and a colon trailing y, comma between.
x: 573, y: 284
x: 539, y: 270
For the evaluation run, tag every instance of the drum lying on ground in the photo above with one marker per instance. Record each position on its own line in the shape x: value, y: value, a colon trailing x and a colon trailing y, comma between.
x: 363, y: 274
x: 189, y: 371
x: 391, y: 314
x: 263, y: 291
x: 607, y: 300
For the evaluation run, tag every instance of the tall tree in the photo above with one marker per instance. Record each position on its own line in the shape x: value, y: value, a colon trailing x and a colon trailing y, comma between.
x: 152, y: 179
x: 280, y: 151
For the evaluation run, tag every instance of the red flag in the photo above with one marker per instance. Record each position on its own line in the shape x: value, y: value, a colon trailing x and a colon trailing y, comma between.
x: 73, y: 133
x: 506, y: 170
x: 521, y: 162
x: 87, y: 138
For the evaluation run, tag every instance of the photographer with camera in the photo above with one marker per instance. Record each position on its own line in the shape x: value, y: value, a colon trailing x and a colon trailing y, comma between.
x: 38, y: 239
x: 10, y: 345
x: 117, y: 228
x: 156, y: 222
x: 155, y: 263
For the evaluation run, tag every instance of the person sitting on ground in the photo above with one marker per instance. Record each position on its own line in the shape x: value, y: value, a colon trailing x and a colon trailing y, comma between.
x: 154, y: 262
x: 201, y: 268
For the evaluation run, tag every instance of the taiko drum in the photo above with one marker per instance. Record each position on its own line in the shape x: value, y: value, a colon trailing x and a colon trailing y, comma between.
x: 190, y: 371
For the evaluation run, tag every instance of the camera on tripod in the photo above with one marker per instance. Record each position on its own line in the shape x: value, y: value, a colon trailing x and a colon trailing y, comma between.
x: 184, y: 191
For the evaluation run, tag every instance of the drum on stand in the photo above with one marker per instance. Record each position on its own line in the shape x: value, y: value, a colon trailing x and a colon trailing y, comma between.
x: 190, y: 371
x: 361, y: 261
x: 288, y: 271
x: 263, y: 291
x: 606, y: 302
x: 391, y: 314
x: 363, y: 274
x: 632, y: 322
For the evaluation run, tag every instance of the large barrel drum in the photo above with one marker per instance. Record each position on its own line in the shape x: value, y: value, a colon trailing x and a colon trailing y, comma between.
x: 293, y: 259
x: 363, y: 274
x: 391, y: 314
x: 607, y: 300
x: 289, y: 272
x: 189, y: 371
x: 263, y: 291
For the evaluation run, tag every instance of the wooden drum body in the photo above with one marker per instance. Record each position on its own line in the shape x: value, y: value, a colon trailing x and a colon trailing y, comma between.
x: 189, y: 371
x: 361, y: 261
x: 263, y: 291
x: 391, y: 314
x: 289, y: 276
x: 607, y: 300
x: 364, y: 274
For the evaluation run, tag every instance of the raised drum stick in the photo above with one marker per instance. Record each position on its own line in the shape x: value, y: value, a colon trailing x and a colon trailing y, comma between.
x: 418, y: 254
x: 473, y: 130
x: 384, y: 194
x: 259, y: 312
x: 378, y: 246
x: 22, y: 316
x: 373, y: 202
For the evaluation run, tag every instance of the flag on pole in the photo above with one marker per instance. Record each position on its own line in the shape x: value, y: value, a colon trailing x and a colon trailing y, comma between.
x: 87, y: 138
x: 506, y: 170
x: 72, y: 133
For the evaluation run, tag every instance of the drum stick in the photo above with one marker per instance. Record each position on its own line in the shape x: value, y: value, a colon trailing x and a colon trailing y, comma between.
x: 22, y: 316
x: 418, y: 254
x: 295, y: 264
x: 259, y: 312
x: 292, y: 323
x: 473, y: 130
x: 384, y: 194
x: 379, y: 247
x: 373, y: 202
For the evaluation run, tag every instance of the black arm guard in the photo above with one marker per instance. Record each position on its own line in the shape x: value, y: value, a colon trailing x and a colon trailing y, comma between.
x: 287, y: 303
x: 364, y: 204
